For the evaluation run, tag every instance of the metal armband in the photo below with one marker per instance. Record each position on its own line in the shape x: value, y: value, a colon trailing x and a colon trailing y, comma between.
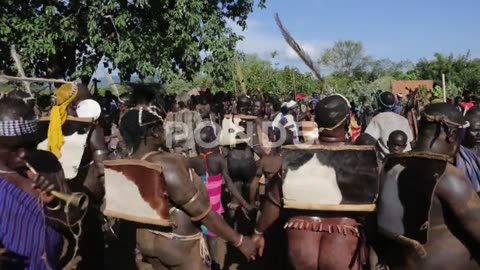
x: 99, y: 153
x: 191, y: 208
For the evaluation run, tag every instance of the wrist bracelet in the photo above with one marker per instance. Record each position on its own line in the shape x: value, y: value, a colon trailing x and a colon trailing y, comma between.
x: 257, y: 232
x: 240, y: 242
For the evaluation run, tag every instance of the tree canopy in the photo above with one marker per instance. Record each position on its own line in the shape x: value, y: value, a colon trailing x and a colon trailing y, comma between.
x: 67, y: 39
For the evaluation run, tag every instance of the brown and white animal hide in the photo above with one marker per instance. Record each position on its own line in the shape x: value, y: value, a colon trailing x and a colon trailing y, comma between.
x: 135, y: 190
x: 408, y: 183
x: 341, y: 178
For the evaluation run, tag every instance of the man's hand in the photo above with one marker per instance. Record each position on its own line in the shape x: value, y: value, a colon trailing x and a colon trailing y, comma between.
x: 248, y: 248
x: 259, y: 241
x: 44, y: 185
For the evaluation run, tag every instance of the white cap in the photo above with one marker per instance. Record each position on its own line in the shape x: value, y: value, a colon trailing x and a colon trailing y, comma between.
x: 89, y: 108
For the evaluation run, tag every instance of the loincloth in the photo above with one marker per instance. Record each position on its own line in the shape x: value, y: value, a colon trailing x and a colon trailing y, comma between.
x: 342, y: 227
x: 204, y: 253
x: 345, y: 226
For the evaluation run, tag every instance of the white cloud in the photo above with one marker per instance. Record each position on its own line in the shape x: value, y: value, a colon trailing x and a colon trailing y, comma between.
x: 264, y: 39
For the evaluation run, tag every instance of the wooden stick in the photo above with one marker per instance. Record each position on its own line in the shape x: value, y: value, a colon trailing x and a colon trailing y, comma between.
x: 20, y: 79
x: 18, y: 64
x: 444, y: 88
x: 112, y: 84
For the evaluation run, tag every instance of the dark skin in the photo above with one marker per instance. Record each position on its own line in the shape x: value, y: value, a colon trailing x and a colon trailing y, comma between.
x: 472, y: 136
x: 258, y: 110
x: 239, y: 153
x: 268, y: 166
x: 213, y: 164
x: 178, y: 254
x: 300, y: 257
x: 216, y: 164
x: 397, y: 144
x: 454, y: 237
x: 14, y: 153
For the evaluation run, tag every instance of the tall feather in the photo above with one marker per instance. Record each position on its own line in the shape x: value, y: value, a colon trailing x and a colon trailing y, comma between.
x: 298, y: 49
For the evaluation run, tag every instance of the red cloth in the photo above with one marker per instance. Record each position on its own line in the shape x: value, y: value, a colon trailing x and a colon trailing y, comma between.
x: 299, y: 96
x: 467, y: 105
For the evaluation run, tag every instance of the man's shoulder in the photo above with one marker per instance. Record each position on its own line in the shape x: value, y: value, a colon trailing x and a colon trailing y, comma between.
x: 453, y: 183
x: 165, y: 158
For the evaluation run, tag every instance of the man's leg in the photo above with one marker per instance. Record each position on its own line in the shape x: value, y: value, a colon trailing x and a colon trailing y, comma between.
x: 303, y: 249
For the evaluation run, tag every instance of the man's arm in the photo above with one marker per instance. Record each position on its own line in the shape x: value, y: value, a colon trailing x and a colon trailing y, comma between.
x: 95, y: 179
x: 270, y: 211
x: 457, y: 195
x: 255, y: 183
x: 182, y: 191
x: 231, y: 187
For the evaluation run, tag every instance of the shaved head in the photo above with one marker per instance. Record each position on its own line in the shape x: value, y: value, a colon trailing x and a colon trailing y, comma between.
x: 14, y: 109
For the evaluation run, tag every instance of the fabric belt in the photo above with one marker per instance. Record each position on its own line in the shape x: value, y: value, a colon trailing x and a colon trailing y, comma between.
x: 204, y: 253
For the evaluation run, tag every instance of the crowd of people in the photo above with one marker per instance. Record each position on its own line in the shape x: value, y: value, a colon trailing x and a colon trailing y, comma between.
x: 247, y: 181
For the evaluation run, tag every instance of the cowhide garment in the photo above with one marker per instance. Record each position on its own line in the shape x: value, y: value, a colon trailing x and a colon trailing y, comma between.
x: 325, y: 176
x: 135, y: 190
x: 408, y: 185
x: 76, y: 134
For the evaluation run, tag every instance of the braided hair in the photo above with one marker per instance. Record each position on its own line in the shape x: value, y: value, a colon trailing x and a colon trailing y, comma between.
x: 438, y: 118
x: 139, y: 124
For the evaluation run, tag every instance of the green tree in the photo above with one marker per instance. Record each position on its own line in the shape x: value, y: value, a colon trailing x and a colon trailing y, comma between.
x: 346, y: 57
x: 69, y: 38
x: 460, y: 70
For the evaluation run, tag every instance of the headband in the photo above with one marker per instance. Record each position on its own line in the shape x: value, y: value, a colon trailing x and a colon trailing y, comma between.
x: 379, y: 98
x: 154, y: 110
x: 443, y: 120
x: 14, y: 128
x: 335, y: 126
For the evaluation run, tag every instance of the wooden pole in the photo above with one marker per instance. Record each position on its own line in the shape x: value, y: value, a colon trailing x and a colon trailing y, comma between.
x: 21, y: 79
x: 21, y: 72
x: 444, y: 88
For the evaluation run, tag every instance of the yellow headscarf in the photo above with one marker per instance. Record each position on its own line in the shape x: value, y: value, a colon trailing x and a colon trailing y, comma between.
x: 58, y: 115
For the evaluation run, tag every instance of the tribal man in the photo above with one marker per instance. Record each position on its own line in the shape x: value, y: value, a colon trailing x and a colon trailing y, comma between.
x: 181, y: 247
x: 26, y: 240
x: 428, y: 211
x: 386, y: 121
x: 240, y: 155
x: 318, y: 191
x: 468, y: 156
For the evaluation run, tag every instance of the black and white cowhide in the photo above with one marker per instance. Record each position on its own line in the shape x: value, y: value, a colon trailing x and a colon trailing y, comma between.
x: 408, y: 183
x: 340, y: 178
x: 76, y: 133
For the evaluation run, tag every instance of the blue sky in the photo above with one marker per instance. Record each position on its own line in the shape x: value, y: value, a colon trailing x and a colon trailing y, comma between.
x: 399, y: 30
x: 395, y: 29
